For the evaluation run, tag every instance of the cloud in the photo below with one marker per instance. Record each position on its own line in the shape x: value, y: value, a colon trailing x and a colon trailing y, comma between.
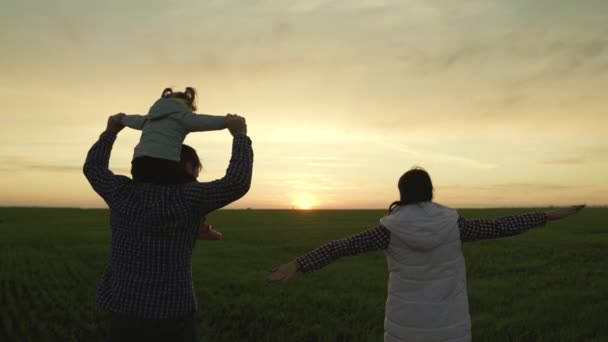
x: 310, y: 181
x: 517, y: 187
x: 562, y: 59
x: 282, y: 30
x: 432, y: 61
x: 521, y: 51
x: 578, y: 156
x: 439, y: 157
x: 74, y: 31
x: 332, y: 165
x: 312, y: 158
x: 307, y: 6
x: 327, y: 187
x: 12, y: 167
x: 596, y: 152
x: 565, y: 161
x: 324, y: 161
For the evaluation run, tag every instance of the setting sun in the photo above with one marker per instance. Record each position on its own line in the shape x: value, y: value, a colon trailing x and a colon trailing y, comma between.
x: 304, y: 202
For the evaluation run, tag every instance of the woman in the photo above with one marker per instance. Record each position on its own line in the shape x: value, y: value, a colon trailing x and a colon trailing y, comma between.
x: 427, y: 292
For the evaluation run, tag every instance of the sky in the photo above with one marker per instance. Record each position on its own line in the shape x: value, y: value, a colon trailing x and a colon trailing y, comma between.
x: 503, y: 102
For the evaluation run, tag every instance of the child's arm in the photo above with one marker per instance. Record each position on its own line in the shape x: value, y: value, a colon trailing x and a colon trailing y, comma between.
x: 134, y: 121
x: 203, y: 122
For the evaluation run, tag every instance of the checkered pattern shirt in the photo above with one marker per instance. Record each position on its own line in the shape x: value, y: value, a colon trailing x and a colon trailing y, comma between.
x: 149, y: 274
x: 378, y: 238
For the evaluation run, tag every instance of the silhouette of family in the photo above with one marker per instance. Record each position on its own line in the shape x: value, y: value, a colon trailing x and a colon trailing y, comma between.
x: 158, y: 214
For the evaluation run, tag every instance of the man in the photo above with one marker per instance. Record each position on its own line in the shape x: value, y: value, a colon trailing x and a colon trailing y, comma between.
x: 147, y: 286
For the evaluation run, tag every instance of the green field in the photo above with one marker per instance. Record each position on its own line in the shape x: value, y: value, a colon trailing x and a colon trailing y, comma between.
x: 550, y: 284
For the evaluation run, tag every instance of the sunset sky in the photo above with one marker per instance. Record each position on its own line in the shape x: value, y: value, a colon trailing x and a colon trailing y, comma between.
x: 505, y: 103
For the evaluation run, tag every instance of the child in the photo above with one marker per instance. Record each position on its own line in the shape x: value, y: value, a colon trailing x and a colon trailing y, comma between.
x: 169, y: 120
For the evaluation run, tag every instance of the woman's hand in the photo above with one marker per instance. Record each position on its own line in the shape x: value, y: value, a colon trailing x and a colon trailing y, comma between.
x: 285, y: 272
x: 557, y: 214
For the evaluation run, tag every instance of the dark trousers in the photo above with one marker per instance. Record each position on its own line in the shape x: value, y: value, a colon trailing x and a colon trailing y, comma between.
x: 129, y: 329
x: 158, y: 171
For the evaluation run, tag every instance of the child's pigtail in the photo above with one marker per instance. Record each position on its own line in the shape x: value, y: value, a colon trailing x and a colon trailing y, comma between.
x: 191, y: 97
x: 167, y: 92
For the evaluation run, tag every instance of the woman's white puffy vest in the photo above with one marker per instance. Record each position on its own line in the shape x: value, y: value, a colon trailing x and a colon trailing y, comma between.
x: 427, y: 293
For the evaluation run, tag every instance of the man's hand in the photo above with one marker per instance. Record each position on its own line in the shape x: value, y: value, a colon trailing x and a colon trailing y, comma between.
x: 285, y: 272
x: 560, y: 213
x: 236, y: 124
x: 115, y: 123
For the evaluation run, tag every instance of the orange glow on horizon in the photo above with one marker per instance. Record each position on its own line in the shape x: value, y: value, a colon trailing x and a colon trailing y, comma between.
x: 304, y: 202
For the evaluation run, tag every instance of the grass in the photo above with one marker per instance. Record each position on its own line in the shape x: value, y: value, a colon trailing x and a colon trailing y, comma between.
x: 550, y: 284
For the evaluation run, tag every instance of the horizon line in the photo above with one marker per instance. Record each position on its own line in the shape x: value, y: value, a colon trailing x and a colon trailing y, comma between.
x: 311, y: 209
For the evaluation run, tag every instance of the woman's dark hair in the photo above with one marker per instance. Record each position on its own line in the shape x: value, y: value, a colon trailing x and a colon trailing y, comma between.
x: 189, y: 95
x: 415, y: 186
x: 188, y: 155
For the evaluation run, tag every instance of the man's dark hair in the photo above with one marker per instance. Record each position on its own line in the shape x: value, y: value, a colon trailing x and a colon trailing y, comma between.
x: 188, y: 155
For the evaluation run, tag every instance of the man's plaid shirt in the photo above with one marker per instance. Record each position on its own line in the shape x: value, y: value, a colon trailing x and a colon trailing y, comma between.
x: 154, y: 227
x: 379, y: 238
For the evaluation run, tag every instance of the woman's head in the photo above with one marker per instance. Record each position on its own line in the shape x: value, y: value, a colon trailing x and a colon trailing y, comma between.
x: 190, y: 162
x: 188, y: 96
x: 415, y: 186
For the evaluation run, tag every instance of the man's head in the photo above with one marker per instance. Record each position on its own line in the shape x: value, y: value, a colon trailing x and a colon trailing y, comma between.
x: 190, y: 162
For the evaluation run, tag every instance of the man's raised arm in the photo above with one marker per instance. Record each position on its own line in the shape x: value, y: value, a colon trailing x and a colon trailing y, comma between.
x: 235, y: 184
x: 95, y: 168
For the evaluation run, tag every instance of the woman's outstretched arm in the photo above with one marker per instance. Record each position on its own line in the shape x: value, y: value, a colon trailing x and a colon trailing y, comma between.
x: 481, y: 229
x: 367, y: 241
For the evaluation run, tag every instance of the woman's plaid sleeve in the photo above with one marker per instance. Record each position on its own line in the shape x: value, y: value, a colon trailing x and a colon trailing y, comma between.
x: 367, y: 241
x: 481, y: 229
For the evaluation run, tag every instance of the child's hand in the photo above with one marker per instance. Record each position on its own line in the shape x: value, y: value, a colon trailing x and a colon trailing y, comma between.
x: 228, y: 117
x: 115, y: 123
x: 206, y: 232
x: 285, y: 272
x: 236, y: 125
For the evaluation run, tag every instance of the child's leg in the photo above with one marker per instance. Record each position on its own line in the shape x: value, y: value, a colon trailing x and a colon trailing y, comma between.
x: 155, y: 170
